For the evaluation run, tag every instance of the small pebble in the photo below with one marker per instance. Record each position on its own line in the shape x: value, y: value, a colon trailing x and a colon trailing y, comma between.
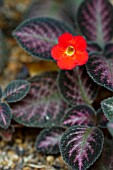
x: 50, y: 159
x: 18, y: 140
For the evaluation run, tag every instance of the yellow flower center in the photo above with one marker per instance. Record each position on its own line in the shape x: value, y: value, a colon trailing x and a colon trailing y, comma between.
x: 70, y: 50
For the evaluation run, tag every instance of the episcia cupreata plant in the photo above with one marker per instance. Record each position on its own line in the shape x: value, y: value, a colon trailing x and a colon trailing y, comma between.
x: 63, y: 102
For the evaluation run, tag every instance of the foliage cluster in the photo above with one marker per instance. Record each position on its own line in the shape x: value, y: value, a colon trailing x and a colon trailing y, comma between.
x: 63, y: 102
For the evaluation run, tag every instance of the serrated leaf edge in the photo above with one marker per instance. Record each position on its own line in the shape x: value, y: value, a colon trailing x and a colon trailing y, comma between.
x: 103, y: 85
x: 3, y: 97
x: 40, y: 19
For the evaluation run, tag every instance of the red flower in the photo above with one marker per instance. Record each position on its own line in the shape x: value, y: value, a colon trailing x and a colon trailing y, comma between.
x: 70, y: 51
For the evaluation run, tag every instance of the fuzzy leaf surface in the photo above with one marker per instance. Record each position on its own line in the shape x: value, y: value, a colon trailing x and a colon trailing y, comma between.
x: 43, y: 105
x: 81, y: 146
x: 79, y: 115
x: 16, y: 90
x: 76, y: 87
x: 48, y: 140
x: 107, y: 107
x: 100, y: 69
x: 95, y: 20
x: 38, y: 35
x: 5, y: 115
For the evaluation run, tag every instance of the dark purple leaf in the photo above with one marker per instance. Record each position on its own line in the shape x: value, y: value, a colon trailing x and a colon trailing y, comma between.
x: 93, y: 47
x: 81, y: 146
x: 107, y: 107
x: 5, y: 115
x: 101, y: 119
x: 100, y: 70
x: 79, y: 115
x: 16, y: 90
x: 76, y: 87
x: 110, y: 127
x: 6, y: 134
x: 42, y: 106
x: 48, y: 140
x: 38, y: 35
x: 95, y: 19
x: 108, y: 50
x: 3, y: 52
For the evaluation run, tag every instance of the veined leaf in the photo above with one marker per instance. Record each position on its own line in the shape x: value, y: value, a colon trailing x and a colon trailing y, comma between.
x: 76, y: 87
x: 95, y: 19
x: 16, y: 90
x: 48, y: 140
x: 107, y: 107
x: 100, y: 69
x: 43, y: 106
x: 81, y: 146
x: 38, y: 35
x: 5, y: 115
x: 79, y: 115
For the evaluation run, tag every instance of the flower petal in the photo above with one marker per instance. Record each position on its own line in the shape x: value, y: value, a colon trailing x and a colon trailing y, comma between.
x: 65, y: 39
x: 57, y: 52
x: 80, y: 43
x: 81, y: 57
x: 66, y: 63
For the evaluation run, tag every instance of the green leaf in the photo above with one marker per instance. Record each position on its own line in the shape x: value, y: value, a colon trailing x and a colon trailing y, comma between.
x: 107, y: 107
